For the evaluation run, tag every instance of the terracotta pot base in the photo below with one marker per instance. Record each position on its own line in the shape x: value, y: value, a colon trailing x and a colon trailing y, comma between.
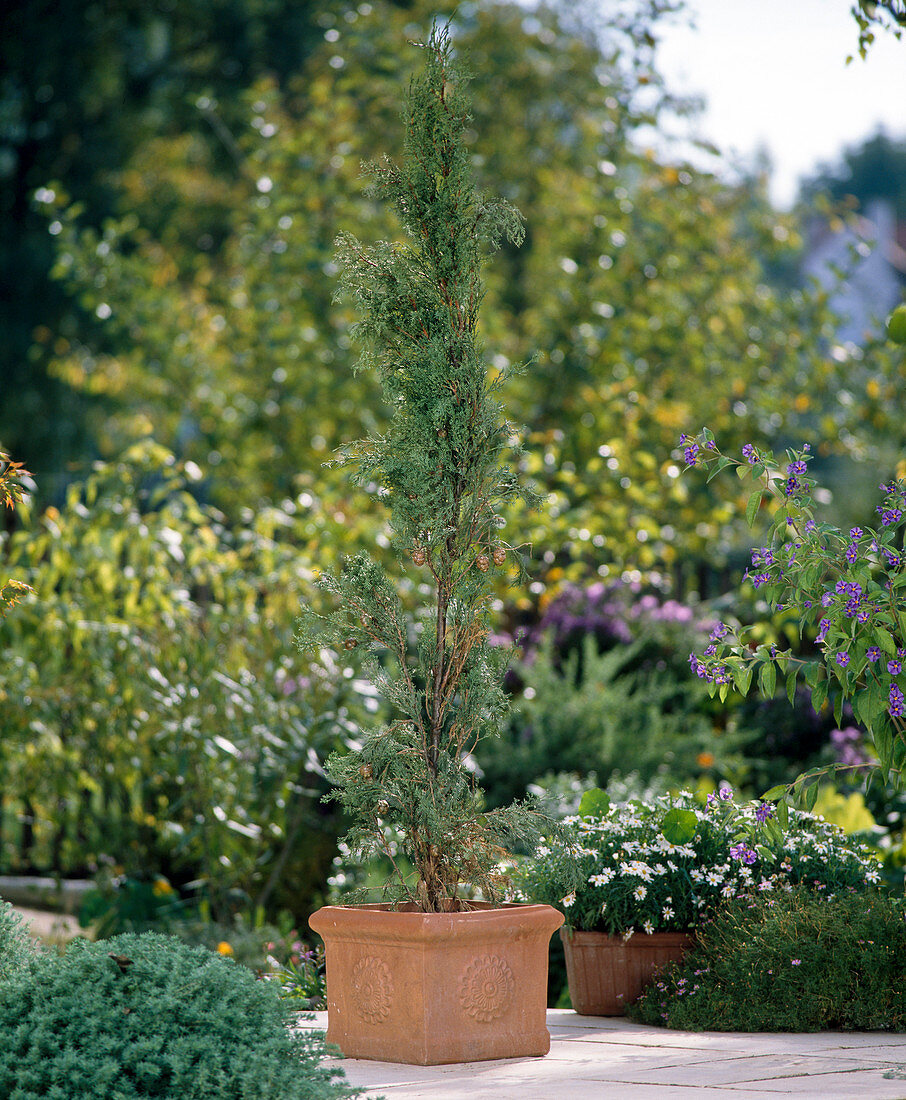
x: 433, y: 988
x: 606, y: 973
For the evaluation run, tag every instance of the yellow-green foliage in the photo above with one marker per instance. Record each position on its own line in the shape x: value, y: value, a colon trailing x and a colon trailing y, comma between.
x: 152, y: 708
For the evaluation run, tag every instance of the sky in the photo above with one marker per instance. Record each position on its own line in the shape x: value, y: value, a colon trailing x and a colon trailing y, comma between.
x: 775, y: 78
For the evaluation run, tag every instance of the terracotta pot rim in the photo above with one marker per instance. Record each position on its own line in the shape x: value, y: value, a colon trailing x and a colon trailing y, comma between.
x: 637, y: 938
x: 385, y: 923
x: 409, y: 908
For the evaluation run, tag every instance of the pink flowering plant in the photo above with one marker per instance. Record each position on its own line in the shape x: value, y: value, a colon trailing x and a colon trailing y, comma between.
x: 847, y: 589
x: 667, y: 864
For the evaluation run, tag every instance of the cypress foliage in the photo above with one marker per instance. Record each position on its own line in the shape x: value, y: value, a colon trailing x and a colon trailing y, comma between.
x: 443, y: 470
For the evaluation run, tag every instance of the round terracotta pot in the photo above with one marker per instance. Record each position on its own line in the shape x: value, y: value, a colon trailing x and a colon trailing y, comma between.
x: 433, y: 988
x: 606, y: 973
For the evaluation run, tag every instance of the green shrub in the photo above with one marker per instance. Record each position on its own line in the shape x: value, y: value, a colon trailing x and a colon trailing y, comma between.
x: 791, y: 962
x: 601, y: 713
x: 16, y: 949
x: 147, y: 1016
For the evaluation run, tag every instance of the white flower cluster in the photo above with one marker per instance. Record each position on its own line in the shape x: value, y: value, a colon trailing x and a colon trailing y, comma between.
x: 635, y: 879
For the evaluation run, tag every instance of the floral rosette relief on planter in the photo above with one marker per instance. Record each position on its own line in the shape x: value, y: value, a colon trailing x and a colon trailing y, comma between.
x: 431, y: 975
x: 651, y: 872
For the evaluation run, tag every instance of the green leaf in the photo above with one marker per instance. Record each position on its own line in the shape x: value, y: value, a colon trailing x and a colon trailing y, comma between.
x: 819, y: 694
x: 783, y: 814
x: 811, y: 796
x: 766, y: 854
x: 679, y: 826
x: 752, y: 507
x: 791, y: 685
x: 774, y: 792
x: 885, y: 639
x: 721, y: 464
x: 742, y: 678
x: 838, y: 708
x: 767, y: 680
x: 882, y: 738
x: 594, y: 803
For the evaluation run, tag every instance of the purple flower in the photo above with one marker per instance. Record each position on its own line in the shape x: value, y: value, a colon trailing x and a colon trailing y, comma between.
x: 873, y: 653
x: 895, y: 702
x: 810, y: 525
x: 843, y: 659
x: 690, y: 454
x: 823, y: 628
x: 795, y: 962
x: 719, y: 632
x: 894, y: 667
x: 855, y: 532
x: 726, y: 793
x: 797, y: 468
x: 852, y: 552
x: 763, y: 812
x: 748, y: 453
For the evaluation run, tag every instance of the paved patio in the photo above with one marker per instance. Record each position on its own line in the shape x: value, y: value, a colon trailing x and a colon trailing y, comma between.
x: 598, y: 1058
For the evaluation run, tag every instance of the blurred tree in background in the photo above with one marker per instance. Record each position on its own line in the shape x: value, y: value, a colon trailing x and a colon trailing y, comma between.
x: 84, y: 87
x: 644, y: 288
x: 874, y: 169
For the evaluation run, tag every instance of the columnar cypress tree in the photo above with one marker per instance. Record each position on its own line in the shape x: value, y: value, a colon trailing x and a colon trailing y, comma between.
x: 442, y: 468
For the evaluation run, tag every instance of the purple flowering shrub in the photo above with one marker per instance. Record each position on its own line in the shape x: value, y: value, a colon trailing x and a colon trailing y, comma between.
x: 602, y: 688
x: 616, y: 614
x: 849, y: 588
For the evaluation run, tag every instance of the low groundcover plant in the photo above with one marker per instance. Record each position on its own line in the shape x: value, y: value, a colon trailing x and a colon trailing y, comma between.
x: 143, y: 1015
x: 789, y: 962
x: 634, y: 879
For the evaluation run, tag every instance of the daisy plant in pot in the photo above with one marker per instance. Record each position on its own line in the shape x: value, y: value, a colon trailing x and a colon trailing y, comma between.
x: 429, y: 974
x: 650, y: 872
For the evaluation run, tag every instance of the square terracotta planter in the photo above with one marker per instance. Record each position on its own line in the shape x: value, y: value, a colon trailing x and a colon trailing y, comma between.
x: 607, y: 973
x: 432, y: 988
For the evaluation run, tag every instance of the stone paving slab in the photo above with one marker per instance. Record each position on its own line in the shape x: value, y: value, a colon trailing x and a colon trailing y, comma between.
x: 600, y: 1058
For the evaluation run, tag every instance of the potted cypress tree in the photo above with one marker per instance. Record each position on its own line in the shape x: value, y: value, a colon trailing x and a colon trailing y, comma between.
x: 428, y: 976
